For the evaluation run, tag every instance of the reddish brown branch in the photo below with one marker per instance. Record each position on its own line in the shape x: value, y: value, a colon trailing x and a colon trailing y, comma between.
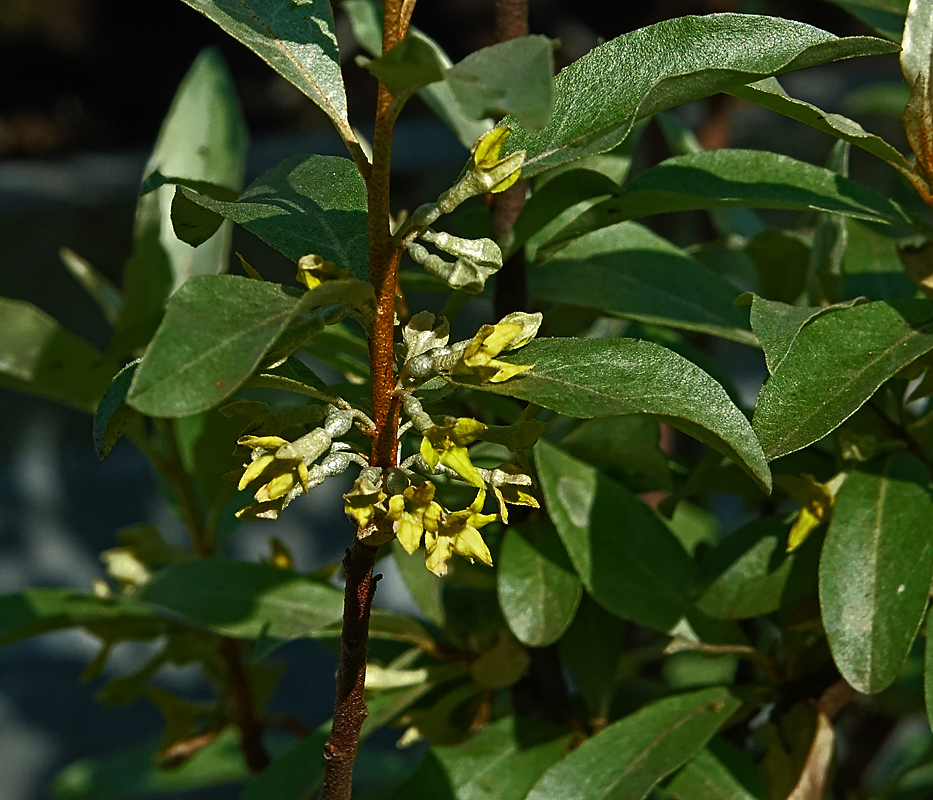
x: 350, y: 708
x: 251, y: 729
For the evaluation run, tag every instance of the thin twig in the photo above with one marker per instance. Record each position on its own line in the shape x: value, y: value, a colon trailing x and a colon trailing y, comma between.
x: 251, y: 729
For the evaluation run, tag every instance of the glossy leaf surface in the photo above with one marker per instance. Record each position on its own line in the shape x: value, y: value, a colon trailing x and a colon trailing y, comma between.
x: 500, y: 762
x: 38, y: 356
x: 627, y: 270
x: 296, y: 39
x: 601, y: 95
x: 624, y: 761
x: 876, y: 570
x: 246, y: 600
x: 603, y: 377
x: 537, y: 586
x: 306, y: 204
x: 835, y: 364
x: 629, y: 562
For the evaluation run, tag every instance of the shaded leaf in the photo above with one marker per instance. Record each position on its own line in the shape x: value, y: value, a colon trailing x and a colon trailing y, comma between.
x: 304, y: 205
x: 500, y: 762
x: 246, y: 600
x: 835, y: 364
x: 625, y: 760
x: 513, y: 77
x: 37, y: 611
x: 537, y: 586
x: 735, y: 179
x: 781, y: 259
x: 107, y: 296
x: 407, y: 67
x: 39, y: 357
x: 604, y: 377
x: 770, y: 94
x: 601, y: 95
x: 917, y: 43
x: 707, y: 777
x: 876, y: 570
x: 872, y: 266
x: 885, y: 16
x: 627, y: 270
x: 296, y: 39
x: 202, y: 139
x: 643, y: 575
x: 134, y: 773
x: 113, y: 415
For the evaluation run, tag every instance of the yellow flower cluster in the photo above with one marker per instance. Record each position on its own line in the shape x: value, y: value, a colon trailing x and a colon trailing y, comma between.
x: 281, y: 479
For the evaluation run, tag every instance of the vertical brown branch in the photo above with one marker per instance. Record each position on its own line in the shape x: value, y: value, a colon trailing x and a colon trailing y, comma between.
x: 244, y: 709
x: 350, y: 706
x: 511, y: 287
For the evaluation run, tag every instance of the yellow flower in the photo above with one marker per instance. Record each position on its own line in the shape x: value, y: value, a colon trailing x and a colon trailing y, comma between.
x: 511, y: 332
x: 413, y: 512
x: 499, y: 173
x: 458, y: 532
x: 507, y: 483
x: 281, y: 479
x: 365, y: 498
x: 446, y: 444
x: 314, y: 270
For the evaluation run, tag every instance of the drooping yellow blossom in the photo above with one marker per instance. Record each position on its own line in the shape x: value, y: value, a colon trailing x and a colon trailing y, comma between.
x: 484, y: 159
x: 314, y: 270
x: 413, y: 512
x: 816, y: 501
x: 508, y: 483
x: 446, y: 444
x: 458, y: 532
x: 281, y: 479
x: 365, y: 498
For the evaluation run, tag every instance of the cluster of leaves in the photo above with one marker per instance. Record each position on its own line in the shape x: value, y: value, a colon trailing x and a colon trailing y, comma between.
x: 624, y: 643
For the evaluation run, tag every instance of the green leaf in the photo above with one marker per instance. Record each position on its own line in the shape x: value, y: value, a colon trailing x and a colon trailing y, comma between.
x: 917, y: 44
x: 409, y: 66
x: 604, y: 377
x: 203, y: 139
x: 500, y: 762
x: 514, y: 77
x: 216, y: 331
x: 424, y: 585
x: 113, y: 415
x: 246, y: 600
x: 296, y: 39
x: 735, y: 179
x: 872, y: 267
x: 781, y: 259
x: 834, y: 365
x: 745, y: 574
x: 628, y: 271
x: 592, y: 649
x: 928, y: 677
x: 885, y: 16
x: 133, y: 773
x: 629, y: 443
x: 769, y: 94
x: 601, y: 95
x: 643, y: 575
x: 876, y: 570
x: 537, y: 586
x: 708, y: 777
x: 777, y: 325
x: 366, y: 19
x: 107, y: 296
x: 625, y: 760
x: 37, y: 611
x: 306, y: 204
x: 39, y: 357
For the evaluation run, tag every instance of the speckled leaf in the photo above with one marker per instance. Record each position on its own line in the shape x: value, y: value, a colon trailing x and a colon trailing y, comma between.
x: 296, y: 39
x: 537, y: 586
x: 306, y: 204
x: 601, y: 95
x: 917, y: 44
x: 625, y: 760
x: 602, y: 377
x: 876, y: 570
x: 834, y: 365
x: 627, y: 270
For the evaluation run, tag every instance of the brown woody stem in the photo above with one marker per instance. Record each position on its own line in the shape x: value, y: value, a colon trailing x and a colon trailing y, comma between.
x: 251, y: 729
x: 350, y: 706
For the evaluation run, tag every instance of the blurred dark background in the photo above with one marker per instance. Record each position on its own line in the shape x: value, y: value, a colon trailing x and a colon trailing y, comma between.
x: 86, y: 85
